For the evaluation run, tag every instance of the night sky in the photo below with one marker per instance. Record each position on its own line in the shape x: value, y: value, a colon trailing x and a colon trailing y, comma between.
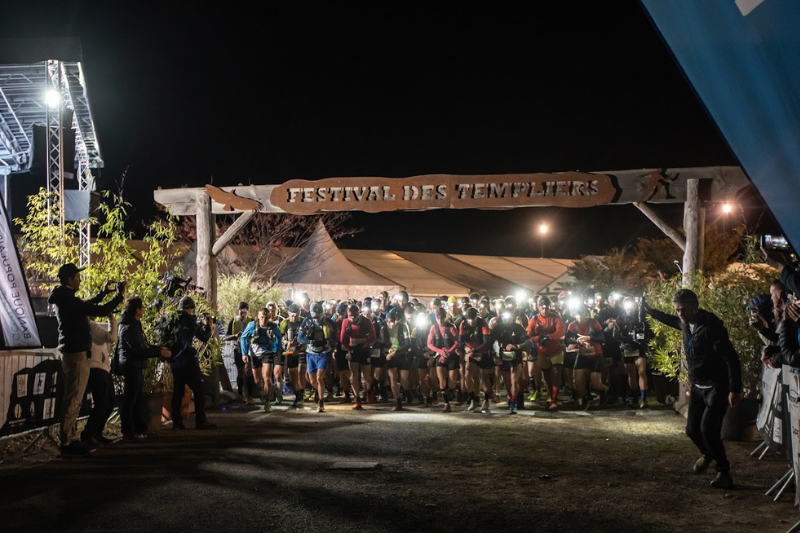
x: 184, y: 95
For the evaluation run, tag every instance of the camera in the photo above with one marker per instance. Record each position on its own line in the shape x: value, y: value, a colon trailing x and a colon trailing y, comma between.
x: 775, y: 242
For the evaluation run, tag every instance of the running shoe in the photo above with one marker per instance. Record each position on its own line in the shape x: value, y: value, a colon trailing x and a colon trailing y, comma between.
x: 587, y: 403
x: 513, y: 409
x: 358, y: 407
x: 485, y: 406
x: 329, y: 396
x: 278, y: 396
x: 250, y: 401
x: 473, y: 404
x: 320, y: 408
x: 535, y: 396
x: 267, y: 408
x: 643, y: 403
x: 552, y: 406
x: 371, y: 398
x: 397, y: 408
x: 446, y: 408
x: 496, y: 398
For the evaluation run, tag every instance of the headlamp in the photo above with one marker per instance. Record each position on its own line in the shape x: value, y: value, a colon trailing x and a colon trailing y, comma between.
x: 421, y: 321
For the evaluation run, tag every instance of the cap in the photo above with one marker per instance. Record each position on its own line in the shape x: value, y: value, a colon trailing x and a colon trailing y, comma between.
x: 294, y: 309
x: 316, y: 309
x: 68, y: 270
x: 186, y: 303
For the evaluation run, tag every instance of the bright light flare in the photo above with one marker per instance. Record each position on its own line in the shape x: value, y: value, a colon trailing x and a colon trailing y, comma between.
x: 53, y: 98
x: 727, y: 208
x: 543, y: 229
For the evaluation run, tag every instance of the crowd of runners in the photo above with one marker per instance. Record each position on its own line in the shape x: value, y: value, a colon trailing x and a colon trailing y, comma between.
x: 587, y: 351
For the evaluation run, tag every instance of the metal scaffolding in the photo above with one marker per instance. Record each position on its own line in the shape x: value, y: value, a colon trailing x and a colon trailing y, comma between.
x: 23, y: 103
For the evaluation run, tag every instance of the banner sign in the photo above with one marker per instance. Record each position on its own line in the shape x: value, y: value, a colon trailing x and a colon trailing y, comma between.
x: 438, y: 191
x: 791, y: 379
x: 32, y: 386
x: 17, y: 319
x: 772, y: 421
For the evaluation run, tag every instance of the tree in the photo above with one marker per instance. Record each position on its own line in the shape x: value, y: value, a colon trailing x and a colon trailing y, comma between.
x: 267, y: 236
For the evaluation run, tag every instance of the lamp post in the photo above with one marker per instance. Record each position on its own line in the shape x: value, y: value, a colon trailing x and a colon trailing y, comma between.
x: 726, y: 210
x: 543, y: 229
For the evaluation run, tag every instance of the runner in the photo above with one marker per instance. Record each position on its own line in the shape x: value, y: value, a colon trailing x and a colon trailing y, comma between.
x: 475, y: 340
x: 340, y: 354
x: 546, y: 330
x: 398, y: 355
x: 583, y: 337
x: 378, y: 354
x: 316, y: 332
x: 512, y: 340
x: 357, y: 337
x: 633, y: 333
x: 443, y: 341
x: 295, y: 353
x: 261, y: 340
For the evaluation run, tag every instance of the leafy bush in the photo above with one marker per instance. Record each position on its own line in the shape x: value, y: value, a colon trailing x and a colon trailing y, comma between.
x: 725, y: 294
x: 243, y: 288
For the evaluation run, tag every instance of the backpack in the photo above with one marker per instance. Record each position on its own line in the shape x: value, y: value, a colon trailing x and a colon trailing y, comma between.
x: 116, y: 368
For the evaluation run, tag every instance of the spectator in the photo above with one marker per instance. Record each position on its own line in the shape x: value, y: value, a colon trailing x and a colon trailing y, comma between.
x: 100, y: 384
x: 75, y: 345
x: 715, y: 375
x: 134, y: 351
x: 234, y: 333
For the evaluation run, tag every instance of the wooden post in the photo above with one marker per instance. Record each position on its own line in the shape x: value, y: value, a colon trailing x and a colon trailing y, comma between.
x: 670, y: 232
x: 206, y: 234
x: 693, y: 223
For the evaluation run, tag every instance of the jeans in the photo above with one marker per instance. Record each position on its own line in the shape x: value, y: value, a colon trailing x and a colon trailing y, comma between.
x: 707, y: 408
x: 101, y: 385
x: 131, y: 415
x: 183, y: 376
x: 76, y: 375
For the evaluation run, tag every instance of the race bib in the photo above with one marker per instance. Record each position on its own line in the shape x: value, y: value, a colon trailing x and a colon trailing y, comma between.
x: 587, y: 351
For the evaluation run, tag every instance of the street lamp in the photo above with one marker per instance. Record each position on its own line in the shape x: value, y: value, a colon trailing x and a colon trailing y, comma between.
x: 543, y: 229
x: 726, y: 210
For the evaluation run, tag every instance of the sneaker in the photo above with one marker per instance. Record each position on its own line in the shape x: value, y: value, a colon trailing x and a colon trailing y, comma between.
x: 701, y: 465
x: 206, y: 425
x: 513, y: 409
x: 435, y: 401
x: 552, y: 406
x: 250, y: 401
x: 329, y: 396
x: 357, y: 406
x: 472, y: 405
x: 496, y: 398
x: 321, y: 408
x: 485, y: 406
x: 586, y: 403
x: 534, y: 397
x: 643, y: 403
x: 397, y: 408
x: 278, y: 396
x: 446, y: 408
x: 723, y: 480
x: 141, y: 436
x: 267, y: 408
x: 77, y: 449
x: 371, y: 399
x: 428, y: 402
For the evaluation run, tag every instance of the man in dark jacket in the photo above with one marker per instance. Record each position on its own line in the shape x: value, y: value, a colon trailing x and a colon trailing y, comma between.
x: 75, y: 344
x: 184, y: 363
x: 715, y: 377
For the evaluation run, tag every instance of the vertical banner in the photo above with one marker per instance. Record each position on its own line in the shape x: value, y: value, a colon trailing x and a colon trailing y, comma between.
x: 791, y: 378
x: 772, y: 422
x: 17, y: 319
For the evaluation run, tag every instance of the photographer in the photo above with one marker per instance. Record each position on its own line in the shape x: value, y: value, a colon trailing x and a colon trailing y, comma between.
x: 134, y: 351
x: 75, y: 345
x: 184, y: 363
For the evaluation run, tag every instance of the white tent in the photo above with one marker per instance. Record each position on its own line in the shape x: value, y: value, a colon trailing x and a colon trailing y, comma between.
x: 324, y: 273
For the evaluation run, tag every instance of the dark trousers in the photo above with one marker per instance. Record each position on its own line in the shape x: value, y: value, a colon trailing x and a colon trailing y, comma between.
x: 707, y: 408
x: 183, y: 376
x: 131, y: 414
x: 101, y: 385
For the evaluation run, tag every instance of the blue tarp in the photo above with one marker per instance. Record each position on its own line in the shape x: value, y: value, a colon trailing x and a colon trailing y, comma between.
x: 743, y: 59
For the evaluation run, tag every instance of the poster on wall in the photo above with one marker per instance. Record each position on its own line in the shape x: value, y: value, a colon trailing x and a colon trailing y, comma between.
x: 33, y: 386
